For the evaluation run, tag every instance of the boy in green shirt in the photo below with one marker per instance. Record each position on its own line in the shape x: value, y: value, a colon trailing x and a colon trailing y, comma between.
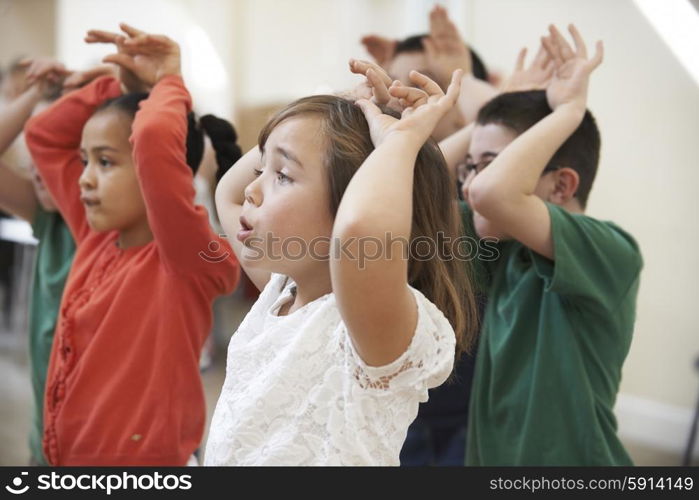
x: 563, y: 290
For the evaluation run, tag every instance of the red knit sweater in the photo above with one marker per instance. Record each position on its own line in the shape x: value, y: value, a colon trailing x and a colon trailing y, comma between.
x: 123, y: 385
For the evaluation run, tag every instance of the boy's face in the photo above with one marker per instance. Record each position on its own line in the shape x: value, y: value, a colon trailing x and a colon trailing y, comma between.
x: 109, y: 187
x: 487, y: 141
x: 399, y: 68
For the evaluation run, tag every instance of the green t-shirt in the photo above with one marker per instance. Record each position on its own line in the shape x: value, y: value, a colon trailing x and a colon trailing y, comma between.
x: 480, y: 249
x: 53, y: 260
x: 554, y: 339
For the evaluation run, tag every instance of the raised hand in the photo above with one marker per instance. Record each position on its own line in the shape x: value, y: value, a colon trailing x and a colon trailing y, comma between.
x: 375, y: 85
x: 380, y: 48
x: 42, y: 68
x: 79, y: 79
x: 143, y: 57
x: 445, y: 50
x: 424, y: 104
x: 535, y: 77
x: 572, y: 68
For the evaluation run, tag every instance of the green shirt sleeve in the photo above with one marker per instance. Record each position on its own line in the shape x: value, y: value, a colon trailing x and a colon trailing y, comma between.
x: 39, y: 222
x: 593, y: 260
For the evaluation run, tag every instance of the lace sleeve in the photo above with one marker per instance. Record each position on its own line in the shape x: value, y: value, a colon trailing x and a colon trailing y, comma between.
x: 426, y: 363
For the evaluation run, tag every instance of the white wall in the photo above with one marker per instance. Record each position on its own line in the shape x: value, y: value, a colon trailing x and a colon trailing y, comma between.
x: 202, y: 28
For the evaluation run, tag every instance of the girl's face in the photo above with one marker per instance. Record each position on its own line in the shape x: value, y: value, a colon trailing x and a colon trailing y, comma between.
x: 109, y: 187
x: 286, y: 209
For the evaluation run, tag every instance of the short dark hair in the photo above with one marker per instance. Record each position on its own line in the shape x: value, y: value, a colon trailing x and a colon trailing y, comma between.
x: 221, y: 133
x: 414, y: 44
x: 520, y: 110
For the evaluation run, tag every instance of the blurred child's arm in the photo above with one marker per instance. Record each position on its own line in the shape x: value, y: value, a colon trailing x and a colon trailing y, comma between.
x: 504, y: 192
x: 455, y: 148
x: 373, y: 294
x: 446, y: 52
x: 230, y: 197
x: 16, y: 114
x: 17, y: 194
x: 53, y: 138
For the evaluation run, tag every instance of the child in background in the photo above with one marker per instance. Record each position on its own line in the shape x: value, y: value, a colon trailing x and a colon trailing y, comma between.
x: 437, y: 55
x: 28, y: 199
x: 562, y: 300
x: 330, y: 364
x: 123, y: 385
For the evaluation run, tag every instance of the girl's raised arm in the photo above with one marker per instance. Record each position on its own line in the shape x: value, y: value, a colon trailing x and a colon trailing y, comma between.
x: 372, y: 293
x: 230, y: 197
x: 53, y: 138
x: 181, y: 229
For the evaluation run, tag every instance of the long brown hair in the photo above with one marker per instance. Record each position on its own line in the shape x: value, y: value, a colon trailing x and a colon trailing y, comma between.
x: 444, y: 280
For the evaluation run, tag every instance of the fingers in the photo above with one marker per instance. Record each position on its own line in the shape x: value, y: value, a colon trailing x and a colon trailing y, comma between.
x: 599, y: 55
x: 122, y: 60
x: 579, y: 42
x: 378, y: 87
x: 130, y: 30
x: 361, y: 67
x: 409, y: 96
x: 99, y: 36
x: 563, y: 48
x: 47, y: 69
x: 430, y: 47
x: 455, y: 86
x: 369, y: 109
x: 519, y: 64
x: 425, y: 83
x: 78, y: 79
x: 550, y: 47
x: 542, y: 58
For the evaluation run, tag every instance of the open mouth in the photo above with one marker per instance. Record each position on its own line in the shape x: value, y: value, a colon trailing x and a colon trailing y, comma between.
x: 245, y: 230
x: 89, y: 201
x: 244, y: 225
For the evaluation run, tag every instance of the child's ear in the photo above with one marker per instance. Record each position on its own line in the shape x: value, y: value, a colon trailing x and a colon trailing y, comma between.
x: 566, y: 182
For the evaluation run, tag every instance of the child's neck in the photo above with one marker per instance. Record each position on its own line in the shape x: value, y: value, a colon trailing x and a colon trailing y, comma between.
x: 136, y: 236
x: 308, y: 288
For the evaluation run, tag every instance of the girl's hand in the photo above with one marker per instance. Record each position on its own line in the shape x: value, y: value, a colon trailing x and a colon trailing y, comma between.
x: 572, y: 69
x: 79, y: 79
x: 143, y: 57
x: 445, y: 50
x: 44, y: 71
x: 536, y: 77
x: 375, y: 85
x: 424, y: 107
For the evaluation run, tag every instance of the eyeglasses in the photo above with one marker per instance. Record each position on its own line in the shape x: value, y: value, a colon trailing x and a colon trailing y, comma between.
x: 463, y: 170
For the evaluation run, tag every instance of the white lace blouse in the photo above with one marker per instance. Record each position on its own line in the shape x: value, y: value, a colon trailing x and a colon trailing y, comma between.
x: 297, y: 393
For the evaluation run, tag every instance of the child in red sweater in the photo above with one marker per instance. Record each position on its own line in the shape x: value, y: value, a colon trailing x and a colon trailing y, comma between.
x: 123, y: 385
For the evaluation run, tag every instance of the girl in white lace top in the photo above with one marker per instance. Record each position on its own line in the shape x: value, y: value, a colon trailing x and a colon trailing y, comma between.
x: 342, y: 218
